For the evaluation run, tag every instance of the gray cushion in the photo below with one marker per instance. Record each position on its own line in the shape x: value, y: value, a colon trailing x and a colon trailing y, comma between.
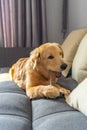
x: 15, y: 108
x: 56, y: 115
x: 68, y: 82
x: 4, y: 70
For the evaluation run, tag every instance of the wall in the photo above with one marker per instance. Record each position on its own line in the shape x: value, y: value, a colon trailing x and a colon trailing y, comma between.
x: 54, y: 20
x: 77, y: 17
x: 77, y: 14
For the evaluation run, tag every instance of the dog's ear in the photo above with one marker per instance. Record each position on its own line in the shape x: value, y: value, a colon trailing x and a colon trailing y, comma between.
x: 58, y: 45
x: 61, y: 50
x: 34, y: 56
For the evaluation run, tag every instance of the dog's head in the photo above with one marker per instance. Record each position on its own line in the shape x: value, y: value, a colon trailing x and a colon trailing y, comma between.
x: 49, y: 56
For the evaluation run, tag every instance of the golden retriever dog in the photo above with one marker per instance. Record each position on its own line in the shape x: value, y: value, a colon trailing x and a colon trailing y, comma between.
x: 37, y: 74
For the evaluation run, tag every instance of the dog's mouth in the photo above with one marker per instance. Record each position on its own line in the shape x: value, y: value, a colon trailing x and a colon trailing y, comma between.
x: 58, y: 74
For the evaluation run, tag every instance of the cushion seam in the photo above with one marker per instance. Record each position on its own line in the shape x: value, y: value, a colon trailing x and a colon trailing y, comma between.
x: 15, y: 115
x: 52, y: 114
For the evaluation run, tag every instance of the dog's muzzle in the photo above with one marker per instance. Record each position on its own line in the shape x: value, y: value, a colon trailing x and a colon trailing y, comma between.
x: 63, y: 66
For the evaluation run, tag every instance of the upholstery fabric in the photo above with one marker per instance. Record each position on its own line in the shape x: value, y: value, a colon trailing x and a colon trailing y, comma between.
x: 77, y: 98
x: 79, y: 66
x: 15, y: 108
x: 56, y: 115
x: 9, y: 56
x: 4, y: 70
x: 70, y: 47
x: 18, y: 112
x: 68, y: 83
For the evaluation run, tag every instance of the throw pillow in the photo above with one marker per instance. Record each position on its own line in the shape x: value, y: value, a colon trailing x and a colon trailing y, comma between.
x: 79, y: 66
x: 70, y: 47
x: 78, y: 97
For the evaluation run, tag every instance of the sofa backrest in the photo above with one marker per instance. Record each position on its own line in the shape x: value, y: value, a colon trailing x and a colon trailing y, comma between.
x: 9, y: 56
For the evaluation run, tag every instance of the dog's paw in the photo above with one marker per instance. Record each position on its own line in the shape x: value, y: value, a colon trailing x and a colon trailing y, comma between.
x: 51, y: 92
x: 68, y: 92
x: 29, y: 94
x: 65, y: 92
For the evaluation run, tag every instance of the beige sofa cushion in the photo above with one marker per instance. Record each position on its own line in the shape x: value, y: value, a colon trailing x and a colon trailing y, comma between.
x: 78, y: 97
x: 70, y: 47
x: 79, y: 66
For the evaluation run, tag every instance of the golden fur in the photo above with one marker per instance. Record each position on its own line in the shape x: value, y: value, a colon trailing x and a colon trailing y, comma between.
x: 37, y: 74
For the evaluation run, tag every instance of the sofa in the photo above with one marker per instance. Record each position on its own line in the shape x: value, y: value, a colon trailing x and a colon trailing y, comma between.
x: 18, y: 112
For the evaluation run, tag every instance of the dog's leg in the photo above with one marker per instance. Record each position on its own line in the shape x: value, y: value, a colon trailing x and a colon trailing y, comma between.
x: 62, y: 90
x: 42, y: 91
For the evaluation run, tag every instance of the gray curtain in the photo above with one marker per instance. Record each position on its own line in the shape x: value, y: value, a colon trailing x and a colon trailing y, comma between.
x: 64, y: 17
x: 22, y: 23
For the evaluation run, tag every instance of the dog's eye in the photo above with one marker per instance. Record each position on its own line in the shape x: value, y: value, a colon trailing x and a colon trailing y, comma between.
x: 50, y: 57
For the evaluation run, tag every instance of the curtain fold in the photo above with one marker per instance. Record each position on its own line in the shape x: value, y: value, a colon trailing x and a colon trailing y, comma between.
x: 64, y: 17
x: 22, y: 23
x: 1, y: 29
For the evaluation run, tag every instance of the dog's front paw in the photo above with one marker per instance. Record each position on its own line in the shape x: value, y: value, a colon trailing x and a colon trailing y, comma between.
x: 29, y: 94
x: 51, y: 92
x: 65, y: 92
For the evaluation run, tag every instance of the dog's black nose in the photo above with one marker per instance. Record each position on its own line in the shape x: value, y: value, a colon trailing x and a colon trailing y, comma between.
x: 63, y: 66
